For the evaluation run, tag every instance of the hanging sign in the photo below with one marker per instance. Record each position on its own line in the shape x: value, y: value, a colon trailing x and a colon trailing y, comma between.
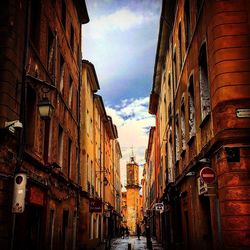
x: 95, y: 205
x: 207, y: 175
x: 202, y: 187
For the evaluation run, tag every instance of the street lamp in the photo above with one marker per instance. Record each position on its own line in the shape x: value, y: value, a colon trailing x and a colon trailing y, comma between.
x: 45, y: 108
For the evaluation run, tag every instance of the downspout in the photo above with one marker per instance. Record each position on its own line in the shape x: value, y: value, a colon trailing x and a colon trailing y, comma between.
x: 23, y: 102
x: 22, y: 115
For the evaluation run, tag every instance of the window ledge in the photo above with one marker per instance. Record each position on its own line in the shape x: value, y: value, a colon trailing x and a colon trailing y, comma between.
x: 205, y: 120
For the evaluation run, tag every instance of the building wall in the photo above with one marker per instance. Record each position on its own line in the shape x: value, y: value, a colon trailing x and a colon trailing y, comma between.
x: 200, y: 133
x: 28, y: 71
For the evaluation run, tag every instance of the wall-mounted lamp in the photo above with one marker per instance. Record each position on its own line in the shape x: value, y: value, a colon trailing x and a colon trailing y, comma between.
x: 204, y: 160
x: 190, y: 174
x: 45, y: 108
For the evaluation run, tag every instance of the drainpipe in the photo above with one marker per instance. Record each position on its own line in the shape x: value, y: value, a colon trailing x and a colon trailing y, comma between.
x: 22, y: 115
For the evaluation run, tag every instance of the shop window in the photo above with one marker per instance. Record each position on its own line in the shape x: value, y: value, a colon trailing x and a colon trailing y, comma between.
x: 204, y: 84
x: 191, y: 108
x: 35, y: 20
x: 187, y: 22
x: 183, y: 129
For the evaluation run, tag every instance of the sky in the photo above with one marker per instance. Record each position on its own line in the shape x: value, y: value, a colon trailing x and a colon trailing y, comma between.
x: 120, y: 40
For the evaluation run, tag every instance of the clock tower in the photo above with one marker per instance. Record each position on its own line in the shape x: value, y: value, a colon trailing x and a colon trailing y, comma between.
x: 133, y: 195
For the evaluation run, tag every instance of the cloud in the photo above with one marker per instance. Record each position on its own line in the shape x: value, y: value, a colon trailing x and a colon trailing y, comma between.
x: 120, y: 20
x: 133, y: 122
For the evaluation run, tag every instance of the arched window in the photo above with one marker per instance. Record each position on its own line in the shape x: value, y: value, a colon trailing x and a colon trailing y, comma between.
x: 183, y: 129
x: 204, y: 84
x: 180, y: 46
x: 191, y: 108
x: 187, y: 22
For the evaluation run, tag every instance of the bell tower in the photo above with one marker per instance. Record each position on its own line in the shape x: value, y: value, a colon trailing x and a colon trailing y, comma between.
x: 133, y: 195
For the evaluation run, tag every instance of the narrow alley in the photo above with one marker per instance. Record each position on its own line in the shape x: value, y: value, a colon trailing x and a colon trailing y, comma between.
x: 133, y: 242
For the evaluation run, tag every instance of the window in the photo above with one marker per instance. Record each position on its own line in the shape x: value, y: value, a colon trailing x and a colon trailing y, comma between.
x: 69, y: 155
x: 191, y: 108
x: 46, y: 140
x: 198, y: 7
x: 170, y: 161
x: 183, y: 129
x: 72, y: 37
x: 63, y: 14
x: 35, y: 17
x: 51, y: 53
x: 180, y: 46
x: 187, y: 22
x: 177, y: 142
x: 174, y: 71
x: 70, y: 91
x: 204, y: 84
x: 62, y: 70
x: 60, y: 145
x: 31, y: 118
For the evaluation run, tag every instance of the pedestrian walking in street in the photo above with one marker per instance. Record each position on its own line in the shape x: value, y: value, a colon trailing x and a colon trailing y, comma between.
x: 127, y: 231
x: 122, y: 229
x: 138, y: 231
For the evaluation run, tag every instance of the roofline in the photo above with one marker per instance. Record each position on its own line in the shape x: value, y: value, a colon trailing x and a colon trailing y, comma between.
x: 92, y: 67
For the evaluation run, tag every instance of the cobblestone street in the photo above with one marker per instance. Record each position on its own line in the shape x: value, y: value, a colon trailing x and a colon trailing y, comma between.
x: 122, y: 244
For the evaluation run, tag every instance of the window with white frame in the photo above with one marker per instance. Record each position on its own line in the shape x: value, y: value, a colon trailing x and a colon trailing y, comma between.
x: 183, y: 128
x: 191, y: 108
x: 204, y: 83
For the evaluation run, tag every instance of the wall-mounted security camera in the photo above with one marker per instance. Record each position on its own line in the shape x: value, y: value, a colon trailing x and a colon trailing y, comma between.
x: 13, y: 125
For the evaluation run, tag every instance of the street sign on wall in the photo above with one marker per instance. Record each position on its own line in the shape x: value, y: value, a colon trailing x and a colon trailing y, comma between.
x: 202, y: 187
x: 95, y: 205
x: 207, y: 175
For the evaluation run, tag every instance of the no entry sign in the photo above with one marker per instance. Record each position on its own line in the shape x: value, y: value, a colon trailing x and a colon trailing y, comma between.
x: 207, y: 175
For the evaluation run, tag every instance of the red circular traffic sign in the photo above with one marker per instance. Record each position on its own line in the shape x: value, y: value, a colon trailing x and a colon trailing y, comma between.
x: 207, y: 175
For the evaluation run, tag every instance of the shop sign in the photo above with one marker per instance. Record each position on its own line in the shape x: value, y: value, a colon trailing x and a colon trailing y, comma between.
x: 207, y: 175
x: 35, y: 196
x: 202, y: 186
x: 95, y: 205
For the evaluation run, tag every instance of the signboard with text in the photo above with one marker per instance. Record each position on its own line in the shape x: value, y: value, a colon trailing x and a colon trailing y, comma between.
x: 95, y: 205
x: 202, y: 187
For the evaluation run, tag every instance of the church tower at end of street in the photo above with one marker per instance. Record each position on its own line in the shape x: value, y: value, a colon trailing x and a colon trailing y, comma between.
x: 133, y: 195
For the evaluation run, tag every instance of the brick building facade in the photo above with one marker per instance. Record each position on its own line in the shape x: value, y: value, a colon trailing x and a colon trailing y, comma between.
x: 40, y: 61
x: 200, y: 97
